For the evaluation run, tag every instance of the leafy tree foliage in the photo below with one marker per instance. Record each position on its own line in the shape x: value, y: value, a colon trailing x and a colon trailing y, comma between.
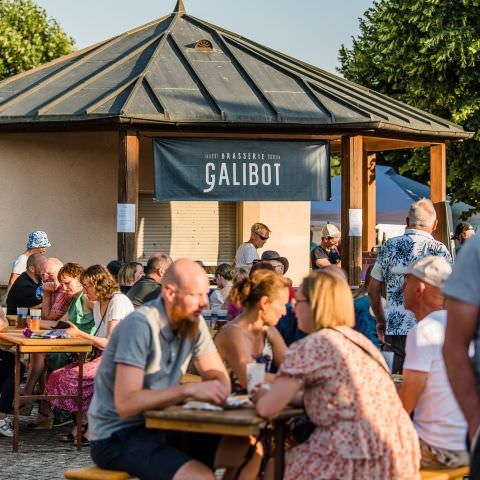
x: 427, y: 54
x: 28, y: 37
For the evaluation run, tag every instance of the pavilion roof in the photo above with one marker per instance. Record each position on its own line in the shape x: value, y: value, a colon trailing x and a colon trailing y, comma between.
x: 184, y: 71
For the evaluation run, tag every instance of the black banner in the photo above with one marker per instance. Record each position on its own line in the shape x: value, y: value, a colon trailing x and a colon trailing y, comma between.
x: 241, y: 170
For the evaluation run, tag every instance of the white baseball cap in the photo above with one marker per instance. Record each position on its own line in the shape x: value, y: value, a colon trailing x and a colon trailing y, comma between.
x: 432, y: 270
x: 330, y: 230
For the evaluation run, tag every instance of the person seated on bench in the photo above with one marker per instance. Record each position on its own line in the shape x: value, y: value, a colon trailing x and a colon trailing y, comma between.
x: 426, y: 391
x: 141, y: 370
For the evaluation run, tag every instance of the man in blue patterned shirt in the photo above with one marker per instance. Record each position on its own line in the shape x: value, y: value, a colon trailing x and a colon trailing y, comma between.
x: 394, y: 322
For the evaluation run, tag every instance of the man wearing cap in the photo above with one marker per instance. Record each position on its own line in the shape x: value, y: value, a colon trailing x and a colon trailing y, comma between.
x: 425, y: 390
x: 327, y: 252
x: 463, y: 231
x: 37, y: 243
x: 394, y: 322
x: 27, y: 289
x: 247, y: 252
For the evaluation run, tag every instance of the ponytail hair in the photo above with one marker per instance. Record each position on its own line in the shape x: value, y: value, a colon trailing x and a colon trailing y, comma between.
x: 263, y: 283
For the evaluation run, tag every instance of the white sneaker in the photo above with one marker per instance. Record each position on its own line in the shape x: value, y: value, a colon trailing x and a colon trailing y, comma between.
x: 6, y: 427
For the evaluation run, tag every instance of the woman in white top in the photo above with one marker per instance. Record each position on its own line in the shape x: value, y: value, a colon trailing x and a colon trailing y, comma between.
x: 110, y: 307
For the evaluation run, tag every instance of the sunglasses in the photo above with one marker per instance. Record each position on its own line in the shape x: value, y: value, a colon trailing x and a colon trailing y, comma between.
x: 262, y: 237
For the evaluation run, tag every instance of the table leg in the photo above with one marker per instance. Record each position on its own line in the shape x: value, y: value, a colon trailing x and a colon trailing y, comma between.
x: 16, y: 400
x: 81, y: 359
x: 279, y: 437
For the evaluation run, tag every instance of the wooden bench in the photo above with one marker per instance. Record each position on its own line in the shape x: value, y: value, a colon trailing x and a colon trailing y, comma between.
x: 95, y: 473
x: 444, y: 474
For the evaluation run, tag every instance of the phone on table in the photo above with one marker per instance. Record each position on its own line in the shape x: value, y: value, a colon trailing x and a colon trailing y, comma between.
x: 61, y: 325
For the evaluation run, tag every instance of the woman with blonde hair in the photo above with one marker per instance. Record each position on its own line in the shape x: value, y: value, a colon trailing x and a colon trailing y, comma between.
x: 109, y: 307
x: 129, y: 274
x: 361, y: 429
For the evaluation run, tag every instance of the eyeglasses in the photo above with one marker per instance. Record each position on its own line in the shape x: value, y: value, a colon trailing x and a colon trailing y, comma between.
x: 262, y: 237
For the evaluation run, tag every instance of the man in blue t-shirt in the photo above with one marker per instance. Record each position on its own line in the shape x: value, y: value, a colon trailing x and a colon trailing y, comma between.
x: 141, y: 369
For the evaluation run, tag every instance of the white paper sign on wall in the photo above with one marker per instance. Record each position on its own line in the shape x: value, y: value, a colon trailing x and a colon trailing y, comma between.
x: 355, y: 222
x: 125, y: 217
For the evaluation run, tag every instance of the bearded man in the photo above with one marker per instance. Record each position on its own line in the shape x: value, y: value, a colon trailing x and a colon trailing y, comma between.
x: 141, y: 369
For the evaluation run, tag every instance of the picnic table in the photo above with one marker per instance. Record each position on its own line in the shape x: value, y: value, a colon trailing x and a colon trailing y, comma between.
x: 242, y: 422
x: 21, y: 344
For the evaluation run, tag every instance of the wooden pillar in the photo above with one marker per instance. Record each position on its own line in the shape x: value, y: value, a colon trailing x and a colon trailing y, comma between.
x: 128, y: 163
x: 352, y: 154
x: 369, y: 202
x: 438, y: 188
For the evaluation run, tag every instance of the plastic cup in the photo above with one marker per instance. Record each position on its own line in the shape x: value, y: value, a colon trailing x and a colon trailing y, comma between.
x: 388, y: 356
x: 22, y: 313
x: 34, y: 324
x: 255, y: 375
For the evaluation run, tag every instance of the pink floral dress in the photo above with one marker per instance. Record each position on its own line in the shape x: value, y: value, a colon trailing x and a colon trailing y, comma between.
x: 362, y: 431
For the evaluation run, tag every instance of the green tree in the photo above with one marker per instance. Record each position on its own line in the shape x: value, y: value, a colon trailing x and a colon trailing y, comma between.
x: 28, y: 37
x: 427, y: 54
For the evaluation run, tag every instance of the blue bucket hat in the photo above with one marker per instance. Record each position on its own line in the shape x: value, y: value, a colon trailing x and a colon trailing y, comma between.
x: 38, y: 239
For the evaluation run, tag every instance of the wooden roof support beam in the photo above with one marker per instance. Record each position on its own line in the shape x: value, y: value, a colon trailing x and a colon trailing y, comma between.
x: 369, y: 201
x: 128, y: 181
x: 352, y: 155
x: 438, y: 188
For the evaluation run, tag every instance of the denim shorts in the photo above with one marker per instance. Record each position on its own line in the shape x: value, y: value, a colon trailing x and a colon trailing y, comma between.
x: 151, y: 454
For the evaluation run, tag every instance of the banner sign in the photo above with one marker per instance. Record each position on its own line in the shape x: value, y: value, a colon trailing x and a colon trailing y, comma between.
x: 238, y: 170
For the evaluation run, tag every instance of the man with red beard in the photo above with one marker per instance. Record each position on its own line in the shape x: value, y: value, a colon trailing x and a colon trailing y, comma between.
x: 143, y: 363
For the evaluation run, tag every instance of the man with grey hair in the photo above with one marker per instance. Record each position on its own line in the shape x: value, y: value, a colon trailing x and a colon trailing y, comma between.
x: 55, y: 299
x: 394, y: 322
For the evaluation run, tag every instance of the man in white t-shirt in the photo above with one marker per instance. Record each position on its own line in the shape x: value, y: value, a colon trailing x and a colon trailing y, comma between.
x: 426, y: 390
x: 247, y: 252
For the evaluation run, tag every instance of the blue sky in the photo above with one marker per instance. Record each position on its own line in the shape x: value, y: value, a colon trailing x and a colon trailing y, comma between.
x: 310, y: 30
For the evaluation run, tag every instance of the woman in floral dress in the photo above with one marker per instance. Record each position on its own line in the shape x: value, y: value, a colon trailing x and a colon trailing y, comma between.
x: 362, y: 430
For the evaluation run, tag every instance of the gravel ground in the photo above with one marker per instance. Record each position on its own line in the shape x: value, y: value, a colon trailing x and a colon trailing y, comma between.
x: 42, y: 456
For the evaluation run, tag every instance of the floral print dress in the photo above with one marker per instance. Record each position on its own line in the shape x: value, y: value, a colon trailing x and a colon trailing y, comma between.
x: 362, y: 431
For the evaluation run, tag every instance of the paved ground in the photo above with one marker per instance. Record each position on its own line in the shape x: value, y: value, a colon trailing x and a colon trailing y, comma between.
x: 41, y: 457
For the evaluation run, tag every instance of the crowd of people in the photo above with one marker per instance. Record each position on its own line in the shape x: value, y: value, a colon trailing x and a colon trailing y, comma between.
x: 321, y: 347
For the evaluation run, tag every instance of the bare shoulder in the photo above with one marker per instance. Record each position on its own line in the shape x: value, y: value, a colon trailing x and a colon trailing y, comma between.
x: 230, y: 336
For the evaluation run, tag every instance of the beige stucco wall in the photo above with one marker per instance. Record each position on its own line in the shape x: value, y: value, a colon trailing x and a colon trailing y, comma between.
x: 290, y: 225
x: 65, y: 184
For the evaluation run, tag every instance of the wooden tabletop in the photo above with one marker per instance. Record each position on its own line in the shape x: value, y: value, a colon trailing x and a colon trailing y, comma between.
x: 28, y: 345
x: 239, y: 422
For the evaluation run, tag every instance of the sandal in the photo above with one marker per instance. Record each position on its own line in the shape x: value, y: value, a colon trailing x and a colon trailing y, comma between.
x: 68, y: 438
x: 42, y: 422
x: 72, y: 438
x: 84, y: 440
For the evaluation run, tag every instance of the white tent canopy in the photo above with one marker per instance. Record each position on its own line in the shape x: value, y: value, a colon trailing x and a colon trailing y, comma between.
x: 395, y: 194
